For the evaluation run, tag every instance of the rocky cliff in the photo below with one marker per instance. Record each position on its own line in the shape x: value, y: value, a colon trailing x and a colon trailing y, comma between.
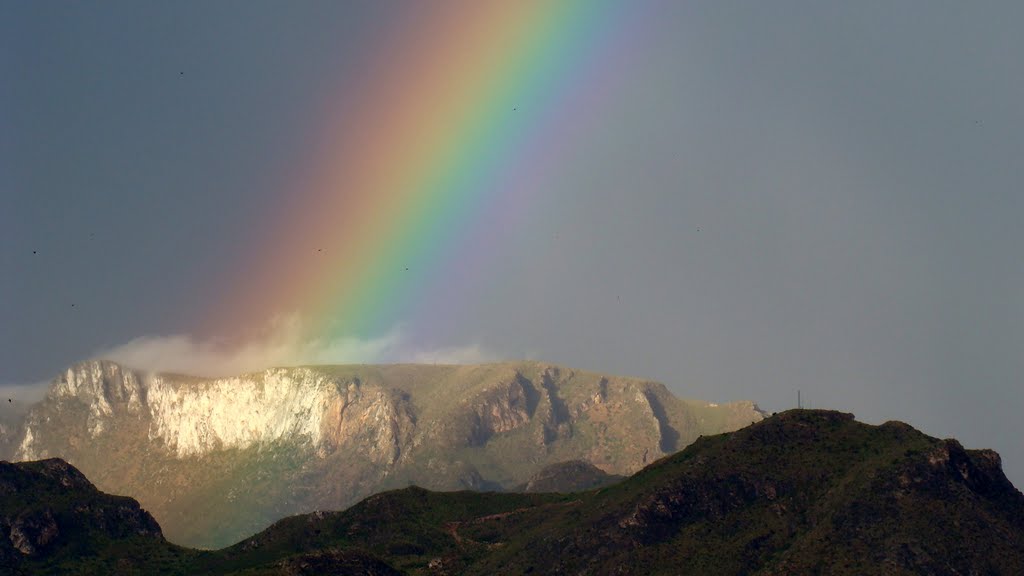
x: 217, y: 459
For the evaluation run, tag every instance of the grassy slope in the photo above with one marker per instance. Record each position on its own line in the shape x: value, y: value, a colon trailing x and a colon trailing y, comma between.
x: 802, y: 492
x: 789, y: 495
x: 805, y: 492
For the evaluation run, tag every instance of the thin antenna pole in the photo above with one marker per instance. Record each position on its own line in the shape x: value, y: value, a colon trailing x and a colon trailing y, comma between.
x: 799, y: 404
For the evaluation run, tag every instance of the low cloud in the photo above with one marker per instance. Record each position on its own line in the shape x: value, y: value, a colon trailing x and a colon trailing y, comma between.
x: 285, y: 345
x: 180, y: 353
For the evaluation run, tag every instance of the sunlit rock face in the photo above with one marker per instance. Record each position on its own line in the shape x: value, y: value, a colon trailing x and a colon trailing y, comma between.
x: 196, y: 417
x: 239, y: 412
x: 215, y: 459
x: 101, y: 386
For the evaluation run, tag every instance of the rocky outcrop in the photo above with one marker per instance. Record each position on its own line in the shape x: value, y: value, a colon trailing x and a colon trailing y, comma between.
x: 378, y: 423
x: 228, y: 455
x: 31, y: 533
x: 500, y: 408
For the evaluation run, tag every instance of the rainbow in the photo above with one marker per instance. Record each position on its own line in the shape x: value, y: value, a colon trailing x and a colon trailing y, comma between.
x: 433, y: 157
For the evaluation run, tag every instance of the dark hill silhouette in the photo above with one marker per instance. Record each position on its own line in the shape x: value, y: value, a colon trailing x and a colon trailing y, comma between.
x: 802, y: 492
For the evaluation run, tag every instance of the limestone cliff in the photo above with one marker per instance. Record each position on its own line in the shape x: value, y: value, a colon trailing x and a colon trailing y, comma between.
x: 217, y: 459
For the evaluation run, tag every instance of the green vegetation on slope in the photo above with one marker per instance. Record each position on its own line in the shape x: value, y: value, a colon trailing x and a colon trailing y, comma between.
x: 54, y: 521
x: 802, y: 492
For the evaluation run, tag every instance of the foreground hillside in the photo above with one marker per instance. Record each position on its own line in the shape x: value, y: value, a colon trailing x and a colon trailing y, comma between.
x: 803, y: 492
x: 52, y: 518
x: 216, y: 460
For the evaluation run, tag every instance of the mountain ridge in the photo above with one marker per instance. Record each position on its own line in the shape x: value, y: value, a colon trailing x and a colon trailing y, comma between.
x: 802, y: 492
x: 248, y: 449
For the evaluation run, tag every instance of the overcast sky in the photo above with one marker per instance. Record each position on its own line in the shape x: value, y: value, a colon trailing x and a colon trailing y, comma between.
x: 823, y: 196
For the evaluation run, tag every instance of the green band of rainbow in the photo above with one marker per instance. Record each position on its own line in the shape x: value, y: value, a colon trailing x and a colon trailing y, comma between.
x: 439, y: 133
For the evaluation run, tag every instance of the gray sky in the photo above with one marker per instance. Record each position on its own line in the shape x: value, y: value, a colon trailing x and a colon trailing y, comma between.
x: 779, y: 196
